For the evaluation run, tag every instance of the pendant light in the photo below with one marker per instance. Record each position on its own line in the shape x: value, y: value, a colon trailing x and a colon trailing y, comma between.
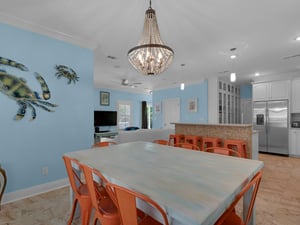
x: 150, y: 56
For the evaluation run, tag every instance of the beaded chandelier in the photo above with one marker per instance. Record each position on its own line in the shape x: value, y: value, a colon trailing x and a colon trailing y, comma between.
x: 150, y: 56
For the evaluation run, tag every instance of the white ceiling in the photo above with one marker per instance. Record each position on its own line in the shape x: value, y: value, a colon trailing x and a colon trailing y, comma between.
x: 200, y: 32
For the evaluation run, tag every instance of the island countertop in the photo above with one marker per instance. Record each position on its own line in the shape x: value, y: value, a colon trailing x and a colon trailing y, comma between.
x: 215, y: 124
x: 223, y: 131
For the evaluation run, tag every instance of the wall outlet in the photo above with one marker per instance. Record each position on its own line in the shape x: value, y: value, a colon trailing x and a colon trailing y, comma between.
x: 45, y: 171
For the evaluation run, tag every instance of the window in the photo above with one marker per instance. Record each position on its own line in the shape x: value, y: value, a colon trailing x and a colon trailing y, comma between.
x: 124, y: 114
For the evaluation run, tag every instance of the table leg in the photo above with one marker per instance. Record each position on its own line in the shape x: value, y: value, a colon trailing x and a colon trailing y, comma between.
x: 246, y: 202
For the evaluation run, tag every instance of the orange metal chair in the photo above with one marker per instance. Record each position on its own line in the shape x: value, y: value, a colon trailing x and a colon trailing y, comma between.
x: 106, y: 211
x: 187, y: 146
x: 223, y: 151
x: 103, y: 144
x: 161, y: 142
x: 2, y: 183
x: 80, y: 189
x: 193, y: 139
x: 126, y: 200
x: 176, y: 138
x: 238, y: 145
x: 211, y: 142
x: 230, y: 217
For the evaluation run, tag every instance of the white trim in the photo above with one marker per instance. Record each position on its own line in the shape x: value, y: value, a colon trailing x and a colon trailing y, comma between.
x: 34, y: 190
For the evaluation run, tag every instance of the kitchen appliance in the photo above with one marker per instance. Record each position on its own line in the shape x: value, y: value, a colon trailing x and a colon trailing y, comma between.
x: 270, y: 118
x: 296, y: 124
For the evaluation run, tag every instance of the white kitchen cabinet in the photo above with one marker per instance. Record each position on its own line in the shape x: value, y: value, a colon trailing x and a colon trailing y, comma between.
x: 228, y: 103
x: 294, y: 142
x: 260, y: 91
x: 295, y: 101
x: 275, y: 90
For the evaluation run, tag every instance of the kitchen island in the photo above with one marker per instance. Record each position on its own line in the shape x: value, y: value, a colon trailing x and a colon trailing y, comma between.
x: 224, y: 131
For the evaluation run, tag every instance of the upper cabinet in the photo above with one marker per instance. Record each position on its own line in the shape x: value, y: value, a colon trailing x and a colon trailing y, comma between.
x: 274, y: 90
x: 228, y: 103
x: 295, y: 103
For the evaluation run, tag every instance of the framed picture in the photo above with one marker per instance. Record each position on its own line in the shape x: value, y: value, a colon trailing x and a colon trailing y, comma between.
x: 157, y: 107
x: 104, y: 98
x: 192, y: 105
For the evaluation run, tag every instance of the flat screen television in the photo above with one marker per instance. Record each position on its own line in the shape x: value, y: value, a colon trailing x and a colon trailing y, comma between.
x: 105, y: 118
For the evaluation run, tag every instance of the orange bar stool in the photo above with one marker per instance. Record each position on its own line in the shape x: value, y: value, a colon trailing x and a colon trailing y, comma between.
x: 208, y: 142
x: 193, y: 139
x: 238, y: 145
x: 176, y: 138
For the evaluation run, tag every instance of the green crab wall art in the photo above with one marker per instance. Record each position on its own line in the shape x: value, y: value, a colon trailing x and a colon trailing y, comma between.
x: 17, y: 89
x: 66, y: 72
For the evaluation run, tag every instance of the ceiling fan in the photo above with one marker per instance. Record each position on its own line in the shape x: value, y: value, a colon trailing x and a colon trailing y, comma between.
x: 125, y: 82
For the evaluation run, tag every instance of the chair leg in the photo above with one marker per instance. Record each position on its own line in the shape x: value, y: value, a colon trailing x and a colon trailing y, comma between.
x: 85, y: 216
x: 95, y: 220
x: 73, y: 211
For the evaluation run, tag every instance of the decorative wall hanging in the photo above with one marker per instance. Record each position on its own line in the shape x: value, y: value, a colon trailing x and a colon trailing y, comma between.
x: 192, y: 105
x: 67, y: 72
x: 9, y: 62
x: 17, y: 89
x: 157, y: 107
x: 104, y: 98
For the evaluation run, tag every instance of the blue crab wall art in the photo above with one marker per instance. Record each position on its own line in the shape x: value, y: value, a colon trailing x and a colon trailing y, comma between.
x: 17, y: 89
x: 66, y: 72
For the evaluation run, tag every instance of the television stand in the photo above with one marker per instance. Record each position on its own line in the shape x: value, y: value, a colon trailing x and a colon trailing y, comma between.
x: 101, y: 134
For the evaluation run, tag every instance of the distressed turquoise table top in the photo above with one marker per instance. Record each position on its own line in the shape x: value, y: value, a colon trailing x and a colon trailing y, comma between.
x: 195, y: 187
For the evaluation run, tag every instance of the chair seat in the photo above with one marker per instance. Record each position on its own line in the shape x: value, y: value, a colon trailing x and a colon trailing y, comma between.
x: 107, y: 206
x: 83, y: 190
x: 148, y: 220
x: 233, y: 219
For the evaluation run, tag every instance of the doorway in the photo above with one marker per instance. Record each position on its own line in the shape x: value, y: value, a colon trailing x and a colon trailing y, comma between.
x: 171, y: 112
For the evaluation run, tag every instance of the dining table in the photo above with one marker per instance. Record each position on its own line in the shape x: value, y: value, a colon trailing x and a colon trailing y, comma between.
x: 194, y: 187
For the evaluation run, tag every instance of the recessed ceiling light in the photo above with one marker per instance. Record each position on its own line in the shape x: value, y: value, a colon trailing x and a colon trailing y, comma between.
x: 298, y: 38
x: 182, y: 86
x: 257, y: 74
x: 233, y: 56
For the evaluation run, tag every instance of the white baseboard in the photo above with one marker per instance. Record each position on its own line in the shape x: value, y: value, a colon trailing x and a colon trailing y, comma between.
x: 35, y: 190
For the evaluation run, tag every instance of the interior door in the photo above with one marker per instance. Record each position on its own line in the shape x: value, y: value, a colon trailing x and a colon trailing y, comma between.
x: 171, y: 112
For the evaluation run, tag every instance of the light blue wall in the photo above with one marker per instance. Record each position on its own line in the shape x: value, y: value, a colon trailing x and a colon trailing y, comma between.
x: 115, y: 96
x: 27, y: 146
x: 196, y: 91
x: 246, y: 91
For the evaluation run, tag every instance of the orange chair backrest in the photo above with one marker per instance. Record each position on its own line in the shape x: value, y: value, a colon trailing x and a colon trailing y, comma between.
x: 255, y: 182
x: 104, y: 144
x: 223, y: 151
x: 187, y: 146
x: 97, y: 190
x: 161, y: 142
x: 126, y: 200
x: 73, y: 169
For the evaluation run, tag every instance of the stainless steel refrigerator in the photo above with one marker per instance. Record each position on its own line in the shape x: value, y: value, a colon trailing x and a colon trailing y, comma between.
x: 270, y: 118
